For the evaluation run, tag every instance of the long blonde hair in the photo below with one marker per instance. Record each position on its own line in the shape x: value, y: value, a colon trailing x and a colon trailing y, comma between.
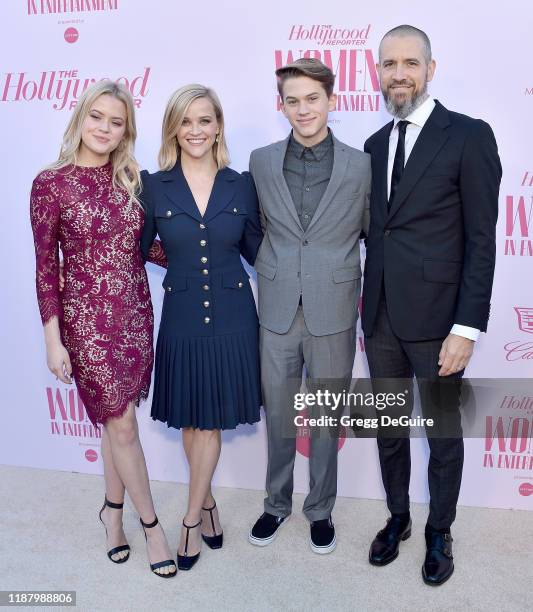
x: 176, y: 109
x: 126, y: 173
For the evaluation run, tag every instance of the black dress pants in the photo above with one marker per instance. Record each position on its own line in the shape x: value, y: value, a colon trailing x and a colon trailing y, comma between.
x: 393, y: 363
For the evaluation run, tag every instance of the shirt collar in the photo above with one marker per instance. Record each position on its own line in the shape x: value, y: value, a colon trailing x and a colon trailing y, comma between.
x: 317, y: 151
x: 420, y: 115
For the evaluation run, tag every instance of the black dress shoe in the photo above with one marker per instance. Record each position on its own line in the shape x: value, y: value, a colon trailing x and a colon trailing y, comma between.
x: 384, y: 548
x: 323, y: 539
x: 438, y: 565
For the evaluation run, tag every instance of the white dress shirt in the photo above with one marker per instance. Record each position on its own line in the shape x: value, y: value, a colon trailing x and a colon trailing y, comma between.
x: 417, y: 120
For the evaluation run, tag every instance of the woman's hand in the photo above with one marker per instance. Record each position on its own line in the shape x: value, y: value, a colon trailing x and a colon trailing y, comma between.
x: 58, y: 362
x: 57, y: 357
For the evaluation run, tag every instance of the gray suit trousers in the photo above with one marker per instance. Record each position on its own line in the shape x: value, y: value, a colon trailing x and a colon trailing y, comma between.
x: 282, y: 359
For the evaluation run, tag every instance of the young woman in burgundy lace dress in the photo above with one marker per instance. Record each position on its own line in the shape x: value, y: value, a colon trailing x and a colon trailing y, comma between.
x: 99, y: 329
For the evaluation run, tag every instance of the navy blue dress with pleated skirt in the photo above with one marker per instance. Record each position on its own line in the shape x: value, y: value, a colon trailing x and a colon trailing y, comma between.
x: 207, y: 356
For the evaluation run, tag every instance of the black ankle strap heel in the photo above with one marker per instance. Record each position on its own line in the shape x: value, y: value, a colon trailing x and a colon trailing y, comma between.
x: 215, y: 541
x: 149, y: 525
x: 160, y: 564
x: 185, y: 562
x: 117, y: 549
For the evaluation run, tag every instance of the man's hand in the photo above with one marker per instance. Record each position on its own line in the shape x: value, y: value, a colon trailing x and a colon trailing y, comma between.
x: 455, y: 354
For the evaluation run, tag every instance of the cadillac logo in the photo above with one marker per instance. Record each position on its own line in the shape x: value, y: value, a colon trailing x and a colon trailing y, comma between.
x: 525, y: 319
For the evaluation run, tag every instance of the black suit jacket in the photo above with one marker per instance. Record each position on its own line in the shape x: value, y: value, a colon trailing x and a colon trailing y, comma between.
x: 434, y: 252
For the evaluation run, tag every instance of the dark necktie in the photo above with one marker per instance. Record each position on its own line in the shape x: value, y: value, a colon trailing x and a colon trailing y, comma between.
x: 399, y: 160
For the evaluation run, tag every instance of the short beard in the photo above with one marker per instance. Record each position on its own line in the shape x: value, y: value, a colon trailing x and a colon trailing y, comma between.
x: 404, y: 109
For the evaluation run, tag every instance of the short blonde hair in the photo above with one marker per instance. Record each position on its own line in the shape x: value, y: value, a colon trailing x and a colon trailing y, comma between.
x: 176, y: 109
x: 126, y: 173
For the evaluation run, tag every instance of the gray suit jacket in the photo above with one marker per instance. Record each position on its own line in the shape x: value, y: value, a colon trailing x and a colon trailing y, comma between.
x: 323, y: 262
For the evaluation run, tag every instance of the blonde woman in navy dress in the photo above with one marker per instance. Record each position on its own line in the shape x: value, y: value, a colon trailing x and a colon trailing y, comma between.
x: 99, y: 328
x: 207, y: 356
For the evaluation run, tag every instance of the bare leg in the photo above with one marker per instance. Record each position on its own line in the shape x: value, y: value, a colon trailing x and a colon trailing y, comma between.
x: 203, y: 451
x: 209, y: 501
x: 113, y: 483
x: 114, y: 488
x: 130, y: 465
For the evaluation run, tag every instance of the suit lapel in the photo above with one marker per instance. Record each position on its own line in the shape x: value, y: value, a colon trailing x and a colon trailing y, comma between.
x: 340, y: 163
x: 429, y: 142
x: 277, y: 158
x: 380, y: 159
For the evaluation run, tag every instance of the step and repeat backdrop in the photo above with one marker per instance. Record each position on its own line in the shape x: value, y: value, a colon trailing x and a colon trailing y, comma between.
x: 52, y: 49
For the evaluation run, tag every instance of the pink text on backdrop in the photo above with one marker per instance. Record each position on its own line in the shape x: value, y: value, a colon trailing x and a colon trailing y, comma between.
x: 63, y: 86
x: 68, y: 416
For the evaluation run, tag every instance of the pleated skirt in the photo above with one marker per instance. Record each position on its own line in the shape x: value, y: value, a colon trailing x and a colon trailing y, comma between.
x: 207, y: 382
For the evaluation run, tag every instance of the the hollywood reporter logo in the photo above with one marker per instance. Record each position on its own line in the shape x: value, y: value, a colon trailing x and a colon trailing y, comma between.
x: 330, y: 35
x: 343, y: 50
x: 63, y: 87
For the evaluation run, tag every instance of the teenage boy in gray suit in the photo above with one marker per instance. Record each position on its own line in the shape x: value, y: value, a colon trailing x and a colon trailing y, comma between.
x: 314, y: 202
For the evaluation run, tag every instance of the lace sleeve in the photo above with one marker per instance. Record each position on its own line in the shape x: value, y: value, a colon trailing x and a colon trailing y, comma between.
x: 156, y: 254
x: 44, y: 215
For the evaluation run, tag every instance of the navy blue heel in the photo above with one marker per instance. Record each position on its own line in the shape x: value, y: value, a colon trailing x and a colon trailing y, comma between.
x: 168, y: 562
x: 117, y: 549
x: 214, y: 542
x: 185, y: 561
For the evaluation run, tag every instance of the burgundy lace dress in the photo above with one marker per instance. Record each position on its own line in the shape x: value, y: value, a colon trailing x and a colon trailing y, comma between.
x: 105, y: 312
